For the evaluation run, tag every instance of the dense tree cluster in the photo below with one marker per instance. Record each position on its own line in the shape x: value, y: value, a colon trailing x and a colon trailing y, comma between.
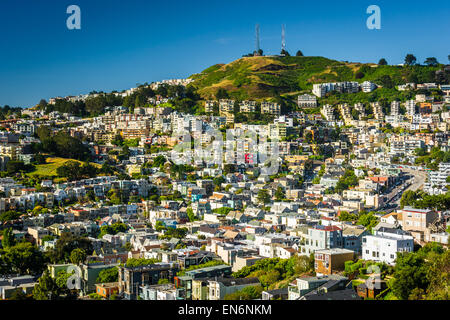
x: 432, y: 159
x: 273, y: 270
x: 178, y: 233
x: 65, y: 245
x: 421, y: 200
x: 74, y: 170
x: 349, y: 179
x: 93, y: 106
x: 7, y: 111
x: 112, y: 229
x: 21, y: 258
x: 423, y: 274
x: 108, y: 275
x: 9, y: 215
x: 61, y: 144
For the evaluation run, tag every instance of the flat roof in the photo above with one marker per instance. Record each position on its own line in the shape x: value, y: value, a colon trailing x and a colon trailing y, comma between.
x: 334, y: 251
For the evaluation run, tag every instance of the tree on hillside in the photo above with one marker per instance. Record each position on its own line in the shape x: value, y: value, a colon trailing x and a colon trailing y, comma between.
x: 8, y: 238
x: 410, y: 59
x: 285, y: 53
x: 221, y: 94
x: 9, y: 215
x: 118, y: 140
x: 42, y: 104
x: 263, y: 196
x: 190, y: 214
x: 299, y: 53
x: 382, y: 62
x: 359, y: 75
x: 96, y: 105
x: 46, y: 288
x: 108, y: 275
x: 62, y: 144
x: 13, y: 167
x: 431, y: 61
x: 73, y: 170
x: 408, y: 198
x: 259, y: 53
x: 24, y: 258
x: 67, y: 243
x: 410, y: 273
x: 39, y: 158
x: 112, y: 229
x: 386, y: 81
x: 78, y: 256
x: 279, y: 194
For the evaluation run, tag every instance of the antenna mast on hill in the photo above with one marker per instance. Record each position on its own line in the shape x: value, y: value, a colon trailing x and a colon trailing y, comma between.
x: 283, y: 38
x: 257, y: 46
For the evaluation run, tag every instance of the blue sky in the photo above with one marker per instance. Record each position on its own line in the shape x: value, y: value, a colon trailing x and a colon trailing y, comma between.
x: 122, y: 43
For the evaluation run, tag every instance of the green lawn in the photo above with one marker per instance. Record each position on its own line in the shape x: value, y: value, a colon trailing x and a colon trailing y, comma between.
x: 49, y: 169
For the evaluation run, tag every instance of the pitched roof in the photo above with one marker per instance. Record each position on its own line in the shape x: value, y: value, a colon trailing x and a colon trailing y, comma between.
x: 230, y: 234
x: 378, y: 179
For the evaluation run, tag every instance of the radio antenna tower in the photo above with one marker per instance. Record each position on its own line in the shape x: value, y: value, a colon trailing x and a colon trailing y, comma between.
x: 257, y: 46
x: 283, y: 38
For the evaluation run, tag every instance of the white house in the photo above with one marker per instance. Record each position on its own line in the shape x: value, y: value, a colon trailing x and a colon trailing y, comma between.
x: 384, y: 244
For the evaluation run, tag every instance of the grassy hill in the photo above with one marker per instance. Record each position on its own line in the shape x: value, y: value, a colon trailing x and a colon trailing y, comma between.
x: 270, y: 76
x: 52, y: 164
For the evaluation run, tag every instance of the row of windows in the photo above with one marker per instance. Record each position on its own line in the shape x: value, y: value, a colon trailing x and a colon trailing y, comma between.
x: 376, y: 254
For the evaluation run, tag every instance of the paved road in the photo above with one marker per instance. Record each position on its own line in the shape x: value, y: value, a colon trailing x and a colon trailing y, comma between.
x: 418, y: 180
x: 414, y: 183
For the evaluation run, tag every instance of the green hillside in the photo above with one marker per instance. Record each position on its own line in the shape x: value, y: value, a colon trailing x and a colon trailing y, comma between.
x: 265, y: 77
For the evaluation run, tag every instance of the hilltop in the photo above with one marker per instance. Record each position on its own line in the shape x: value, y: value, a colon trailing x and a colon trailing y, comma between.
x: 276, y: 78
x: 269, y: 76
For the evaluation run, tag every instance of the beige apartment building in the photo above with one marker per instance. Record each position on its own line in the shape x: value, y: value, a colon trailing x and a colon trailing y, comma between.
x: 418, y: 222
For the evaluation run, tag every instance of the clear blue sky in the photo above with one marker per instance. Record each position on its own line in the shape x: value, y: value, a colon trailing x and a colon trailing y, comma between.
x: 122, y: 43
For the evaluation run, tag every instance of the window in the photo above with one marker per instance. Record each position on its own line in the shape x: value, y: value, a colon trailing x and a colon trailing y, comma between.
x: 367, y: 251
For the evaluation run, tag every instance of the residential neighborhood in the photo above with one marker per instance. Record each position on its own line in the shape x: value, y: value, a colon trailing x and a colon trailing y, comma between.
x: 276, y: 176
x: 347, y: 191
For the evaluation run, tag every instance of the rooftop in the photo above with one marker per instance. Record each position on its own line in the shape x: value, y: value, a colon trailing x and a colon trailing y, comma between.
x: 334, y: 251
